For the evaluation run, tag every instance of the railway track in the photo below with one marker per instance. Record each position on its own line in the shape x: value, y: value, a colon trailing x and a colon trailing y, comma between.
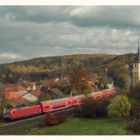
x: 10, y: 125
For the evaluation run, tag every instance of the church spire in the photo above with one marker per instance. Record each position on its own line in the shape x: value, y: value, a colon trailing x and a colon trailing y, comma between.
x: 138, y: 57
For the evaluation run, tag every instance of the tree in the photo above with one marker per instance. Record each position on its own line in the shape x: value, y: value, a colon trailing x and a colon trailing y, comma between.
x: 135, y: 92
x: 88, y: 89
x: 3, y: 100
x: 44, y: 94
x: 93, y: 108
x: 119, y: 73
x: 135, y: 108
x: 78, y: 79
x: 65, y: 86
x: 56, y: 118
x: 119, y: 107
x: 134, y: 126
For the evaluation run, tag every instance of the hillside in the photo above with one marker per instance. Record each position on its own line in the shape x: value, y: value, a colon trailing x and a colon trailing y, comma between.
x: 57, y: 66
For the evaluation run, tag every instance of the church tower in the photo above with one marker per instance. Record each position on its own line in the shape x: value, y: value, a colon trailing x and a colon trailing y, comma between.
x: 134, y: 70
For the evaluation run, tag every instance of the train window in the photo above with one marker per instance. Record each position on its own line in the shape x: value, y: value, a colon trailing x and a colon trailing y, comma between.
x: 7, y: 112
x: 58, y: 106
x: 46, y: 107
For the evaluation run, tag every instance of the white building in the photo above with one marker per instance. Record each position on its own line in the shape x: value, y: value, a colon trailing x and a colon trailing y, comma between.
x: 134, y: 71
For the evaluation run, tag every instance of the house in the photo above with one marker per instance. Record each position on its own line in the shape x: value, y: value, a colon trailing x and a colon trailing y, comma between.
x: 12, y: 95
x: 109, y: 82
x: 56, y: 93
x: 18, y: 102
x: 16, y: 91
x: 17, y: 95
x: 50, y: 83
x: 36, y: 93
x: 31, y: 86
x: 30, y: 97
x: 21, y: 92
x: 14, y: 87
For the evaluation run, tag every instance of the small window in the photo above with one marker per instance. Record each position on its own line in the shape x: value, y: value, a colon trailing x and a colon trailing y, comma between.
x: 14, y: 112
x: 46, y: 107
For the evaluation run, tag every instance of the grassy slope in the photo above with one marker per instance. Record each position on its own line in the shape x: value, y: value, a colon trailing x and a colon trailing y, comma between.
x: 75, y: 126
x: 22, y: 129
x: 84, y: 127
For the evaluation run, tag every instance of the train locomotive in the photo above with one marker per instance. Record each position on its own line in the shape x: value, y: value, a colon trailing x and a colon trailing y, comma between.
x: 53, y: 105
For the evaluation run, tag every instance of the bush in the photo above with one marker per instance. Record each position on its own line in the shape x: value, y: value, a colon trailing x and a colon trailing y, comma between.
x: 123, y: 92
x: 135, y: 110
x: 135, y: 92
x: 93, y: 108
x: 56, y: 118
x: 134, y: 126
x: 88, y: 89
x: 119, y: 107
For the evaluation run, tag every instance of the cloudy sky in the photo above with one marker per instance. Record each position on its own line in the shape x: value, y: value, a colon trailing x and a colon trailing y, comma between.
x: 33, y: 31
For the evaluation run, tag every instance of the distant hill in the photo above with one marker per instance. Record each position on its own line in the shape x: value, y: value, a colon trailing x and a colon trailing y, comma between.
x: 56, y: 66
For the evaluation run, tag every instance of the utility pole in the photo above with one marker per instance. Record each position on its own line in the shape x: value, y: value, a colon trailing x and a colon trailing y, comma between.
x: 106, y: 70
x: 128, y: 78
x: 62, y: 68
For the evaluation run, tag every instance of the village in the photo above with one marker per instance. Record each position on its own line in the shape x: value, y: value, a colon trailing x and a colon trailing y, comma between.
x: 69, y: 70
x: 24, y: 93
x: 100, y: 98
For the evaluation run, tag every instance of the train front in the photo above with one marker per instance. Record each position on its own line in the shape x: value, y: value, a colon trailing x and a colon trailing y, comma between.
x: 7, y: 114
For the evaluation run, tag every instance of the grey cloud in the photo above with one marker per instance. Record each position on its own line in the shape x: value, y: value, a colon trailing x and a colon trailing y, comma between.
x: 10, y: 57
x: 86, y: 16
x: 22, y: 36
x: 29, y: 32
x: 111, y: 16
x: 38, y: 14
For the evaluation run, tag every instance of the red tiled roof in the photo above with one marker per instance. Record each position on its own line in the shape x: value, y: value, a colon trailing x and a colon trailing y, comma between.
x: 14, y: 87
x: 18, y: 102
x: 30, y: 83
x: 36, y: 93
x: 91, y: 81
x: 50, y: 83
x: 23, y: 101
x: 12, y: 94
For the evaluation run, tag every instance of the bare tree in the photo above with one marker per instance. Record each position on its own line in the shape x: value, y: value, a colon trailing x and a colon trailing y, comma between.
x: 78, y: 79
x: 45, y: 94
x: 3, y: 99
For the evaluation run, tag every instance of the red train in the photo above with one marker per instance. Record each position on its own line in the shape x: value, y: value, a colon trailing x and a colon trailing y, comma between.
x: 52, y: 105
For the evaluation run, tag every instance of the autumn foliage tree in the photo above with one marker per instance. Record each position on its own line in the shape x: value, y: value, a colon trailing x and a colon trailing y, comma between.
x: 3, y: 100
x: 93, y: 108
x: 56, y: 118
x: 44, y: 94
x: 78, y: 80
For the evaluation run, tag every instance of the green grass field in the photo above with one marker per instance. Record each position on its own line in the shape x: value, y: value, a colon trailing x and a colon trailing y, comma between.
x: 74, y: 126
x: 79, y: 126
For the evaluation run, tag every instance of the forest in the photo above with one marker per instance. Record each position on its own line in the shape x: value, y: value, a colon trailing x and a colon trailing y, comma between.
x: 44, y: 68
